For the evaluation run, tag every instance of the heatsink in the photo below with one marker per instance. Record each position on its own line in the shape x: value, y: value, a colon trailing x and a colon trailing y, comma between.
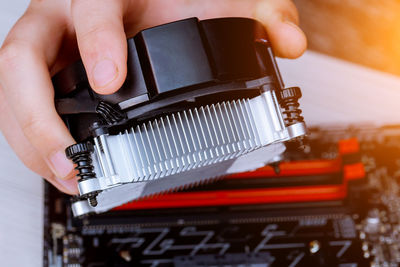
x: 191, y: 110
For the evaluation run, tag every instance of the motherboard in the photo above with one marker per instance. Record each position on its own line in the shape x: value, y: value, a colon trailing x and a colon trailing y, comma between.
x: 334, y: 202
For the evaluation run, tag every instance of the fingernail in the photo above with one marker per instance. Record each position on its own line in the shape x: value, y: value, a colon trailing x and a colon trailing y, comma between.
x: 61, y: 166
x: 104, y: 72
x: 70, y: 185
x: 291, y: 23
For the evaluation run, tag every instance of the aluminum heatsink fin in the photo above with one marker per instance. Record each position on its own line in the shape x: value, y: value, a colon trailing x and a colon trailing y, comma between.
x: 186, y: 147
x: 180, y: 142
x: 119, y: 195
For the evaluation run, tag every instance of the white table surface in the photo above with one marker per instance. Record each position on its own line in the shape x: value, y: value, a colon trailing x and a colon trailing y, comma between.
x: 334, y: 92
x: 21, y: 191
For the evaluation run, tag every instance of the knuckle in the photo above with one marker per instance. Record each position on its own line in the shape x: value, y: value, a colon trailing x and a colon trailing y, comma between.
x: 34, y: 126
x: 93, y: 38
x: 93, y: 32
x: 11, y: 54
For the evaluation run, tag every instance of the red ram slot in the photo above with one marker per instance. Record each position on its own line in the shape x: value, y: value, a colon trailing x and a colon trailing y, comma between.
x: 240, y: 197
x: 268, y: 195
x: 253, y: 196
x: 294, y: 168
x: 349, y: 146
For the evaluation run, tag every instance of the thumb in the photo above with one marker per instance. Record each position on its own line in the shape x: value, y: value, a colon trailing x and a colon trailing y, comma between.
x: 281, y: 19
x: 102, y: 42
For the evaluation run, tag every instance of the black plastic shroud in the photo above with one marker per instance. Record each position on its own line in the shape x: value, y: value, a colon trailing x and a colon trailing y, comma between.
x: 188, y: 60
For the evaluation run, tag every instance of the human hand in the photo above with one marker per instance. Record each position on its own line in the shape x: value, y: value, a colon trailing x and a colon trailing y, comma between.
x: 51, y: 34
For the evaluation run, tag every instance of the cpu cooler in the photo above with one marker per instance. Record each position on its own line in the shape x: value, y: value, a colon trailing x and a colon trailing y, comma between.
x: 202, y: 99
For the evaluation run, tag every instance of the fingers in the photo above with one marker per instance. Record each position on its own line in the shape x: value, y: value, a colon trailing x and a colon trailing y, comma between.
x: 102, y: 42
x: 68, y: 186
x: 28, y: 91
x: 280, y: 18
x: 26, y: 152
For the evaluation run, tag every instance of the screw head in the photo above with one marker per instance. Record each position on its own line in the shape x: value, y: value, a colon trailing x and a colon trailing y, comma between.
x: 78, y: 149
x: 289, y: 93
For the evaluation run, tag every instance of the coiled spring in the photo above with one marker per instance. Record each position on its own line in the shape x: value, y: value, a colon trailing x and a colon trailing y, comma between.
x: 80, y: 155
x: 289, y: 102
